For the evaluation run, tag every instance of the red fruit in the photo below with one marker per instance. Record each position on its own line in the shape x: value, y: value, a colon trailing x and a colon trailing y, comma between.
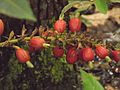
x: 60, y: 26
x: 71, y: 56
x: 116, y: 55
x: 75, y: 24
x: 87, y: 54
x: 1, y: 27
x: 58, y: 51
x: 36, y: 43
x: 48, y: 33
x: 102, y: 52
x: 22, y: 55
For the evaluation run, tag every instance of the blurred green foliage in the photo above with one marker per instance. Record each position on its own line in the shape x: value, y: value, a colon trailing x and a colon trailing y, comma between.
x: 17, y: 8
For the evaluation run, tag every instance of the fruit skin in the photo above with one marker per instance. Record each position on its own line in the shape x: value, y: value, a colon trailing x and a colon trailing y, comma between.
x: 58, y: 51
x: 75, y: 24
x: 60, y: 26
x: 101, y: 51
x: 1, y: 27
x: 22, y: 55
x: 87, y: 54
x: 116, y: 55
x: 36, y: 43
x: 71, y: 56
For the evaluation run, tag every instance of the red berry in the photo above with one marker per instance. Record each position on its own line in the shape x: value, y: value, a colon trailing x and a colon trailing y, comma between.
x: 22, y: 55
x: 58, y: 51
x: 48, y: 33
x: 71, y: 56
x: 116, y: 55
x: 1, y: 27
x: 36, y: 43
x: 75, y: 24
x: 60, y: 26
x: 87, y: 54
x: 101, y: 51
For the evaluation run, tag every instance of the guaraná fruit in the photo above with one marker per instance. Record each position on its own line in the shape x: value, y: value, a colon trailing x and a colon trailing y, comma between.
x: 101, y: 52
x: 24, y: 57
x: 87, y: 54
x: 58, y: 51
x: 71, y: 56
x: 37, y: 43
x: 116, y: 55
x: 60, y: 26
x: 1, y: 27
x: 75, y: 24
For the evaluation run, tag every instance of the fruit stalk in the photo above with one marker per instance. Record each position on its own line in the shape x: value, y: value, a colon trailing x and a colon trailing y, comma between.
x: 29, y: 64
x: 108, y: 59
x: 91, y: 65
x: 16, y: 47
x: 46, y: 45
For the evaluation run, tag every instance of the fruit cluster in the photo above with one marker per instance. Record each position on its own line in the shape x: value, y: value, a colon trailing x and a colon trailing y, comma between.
x: 73, y: 54
x: 74, y: 25
x: 86, y: 54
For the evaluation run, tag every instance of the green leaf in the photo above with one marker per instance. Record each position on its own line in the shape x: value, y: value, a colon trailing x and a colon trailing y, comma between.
x: 90, y: 82
x: 17, y: 8
x: 101, y: 6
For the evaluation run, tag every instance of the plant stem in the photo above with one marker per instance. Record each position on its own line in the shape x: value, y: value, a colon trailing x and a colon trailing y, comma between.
x: 84, y: 5
x: 16, y: 40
